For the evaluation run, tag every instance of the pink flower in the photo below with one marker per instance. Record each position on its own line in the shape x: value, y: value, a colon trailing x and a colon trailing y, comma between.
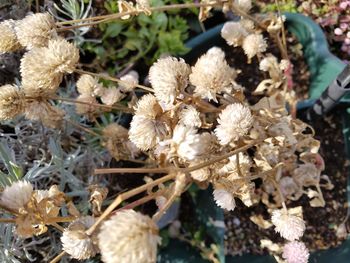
x: 343, y: 26
x: 295, y: 252
x: 343, y: 5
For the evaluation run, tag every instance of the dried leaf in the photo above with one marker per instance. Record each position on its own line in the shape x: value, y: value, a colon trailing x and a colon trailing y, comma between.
x: 260, y: 221
x: 98, y: 195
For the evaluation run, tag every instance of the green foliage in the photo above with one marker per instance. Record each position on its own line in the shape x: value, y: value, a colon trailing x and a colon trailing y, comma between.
x: 285, y: 6
x: 142, y: 38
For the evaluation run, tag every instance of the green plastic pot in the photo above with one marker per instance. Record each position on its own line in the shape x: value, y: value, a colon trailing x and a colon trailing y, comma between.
x: 323, y: 67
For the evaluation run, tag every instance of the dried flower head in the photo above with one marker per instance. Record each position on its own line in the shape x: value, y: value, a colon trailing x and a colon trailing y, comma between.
x: 76, y: 242
x: 43, y: 77
x: 234, y: 33
x: 211, y: 74
x: 127, y: 237
x: 244, y: 5
x: 289, y: 226
x: 88, y: 105
x: 188, y: 144
x: 87, y: 84
x: 168, y: 76
x: 201, y: 174
x: 231, y: 167
x: 275, y: 69
x: 12, y: 102
x: 111, y: 95
x: 17, y: 195
x: 254, y: 44
x: 189, y: 116
x: 61, y: 56
x: 234, y: 122
x: 130, y: 80
x: 36, y: 30
x: 44, y: 112
x: 295, y: 252
x: 145, y: 129
x: 224, y: 199
x: 8, y: 41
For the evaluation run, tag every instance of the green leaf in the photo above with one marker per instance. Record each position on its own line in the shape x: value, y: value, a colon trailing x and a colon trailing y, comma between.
x: 113, y: 30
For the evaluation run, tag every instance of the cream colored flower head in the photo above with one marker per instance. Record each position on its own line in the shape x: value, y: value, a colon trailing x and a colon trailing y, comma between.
x: 224, y: 199
x: 36, y: 30
x: 244, y: 5
x: 168, y: 77
x: 8, y: 40
x: 145, y: 129
x: 76, y: 242
x: 87, y: 84
x: 111, y: 96
x: 12, y: 102
x: 289, y: 226
x: 189, y: 144
x: 17, y: 195
x: 131, y: 79
x: 62, y: 56
x: 254, y: 44
x: 295, y: 252
x: 127, y: 237
x: 234, y: 122
x: 189, y: 116
x: 43, y: 77
x: 234, y: 33
x: 201, y: 175
x: 231, y: 167
x: 211, y: 74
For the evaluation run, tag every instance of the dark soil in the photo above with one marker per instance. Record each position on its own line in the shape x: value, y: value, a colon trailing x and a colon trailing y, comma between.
x: 243, y: 236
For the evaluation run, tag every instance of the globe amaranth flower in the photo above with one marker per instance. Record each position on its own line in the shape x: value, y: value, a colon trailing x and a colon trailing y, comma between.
x: 8, y: 40
x: 288, y: 226
x: 12, y: 102
x: 36, y: 30
x: 145, y: 128
x: 189, y: 116
x: 224, y: 199
x: 76, y: 242
x: 254, y: 44
x: 17, y: 195
x: 234, y: 122
x: 128, y: 236
x: 211, y: 74
x: 42, y: 77
x: 295, y: 252
x: 168, y: 77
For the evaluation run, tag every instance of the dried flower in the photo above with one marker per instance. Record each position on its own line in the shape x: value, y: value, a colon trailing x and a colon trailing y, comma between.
x: 127, y: 237
x: 144, y: 5
x: 295, y: 252
x: 189, y: 116
x: 234, y: 33
x: 131, y: 79
x: 224, y: 199
x: 17, y: 195
x: 61, y: 56
x: 244, y: 5
x: 43, y: 77
x: 111, y: 95
x: 8, y: 41
x: 168, y: 76
x: 211, y: 74
x: 270, y: 64
x: 234, y: 122
x: 76, y: 242
x: 42, y: 111
x: 36, y: 30
x: 87, y: 84
x: 145, y: 130
x: 87, y: 107
x: 289, y: 226
x: 231, y: 167
x: 254, y: 44
x: 12, y: 102
x: 201, y: 175
x: 188, y: 144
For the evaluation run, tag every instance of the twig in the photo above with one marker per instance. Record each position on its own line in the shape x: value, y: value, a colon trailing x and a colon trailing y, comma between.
x: 58, y: 257
x: 57, y: 226
x: 124, y: 196
x: 103, y: 76
x: 7, y: 220
x: 82, y: 127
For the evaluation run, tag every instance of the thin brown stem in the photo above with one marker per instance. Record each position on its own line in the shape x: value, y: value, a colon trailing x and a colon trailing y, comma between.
x: 240, y: 12
x: 57, y: 226
x: 67, y: 219
x: 134, y: 170
x: 58, y: 257
x: 122, y: 197
x: 165, y: 207
x: 7, y: 220
x: 11, y: 211
x: 109, y: 17
x: 74, y: 101
x: 103, y: 76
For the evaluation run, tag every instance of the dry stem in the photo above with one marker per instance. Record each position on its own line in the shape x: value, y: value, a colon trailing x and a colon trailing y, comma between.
x: 58, y: 257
